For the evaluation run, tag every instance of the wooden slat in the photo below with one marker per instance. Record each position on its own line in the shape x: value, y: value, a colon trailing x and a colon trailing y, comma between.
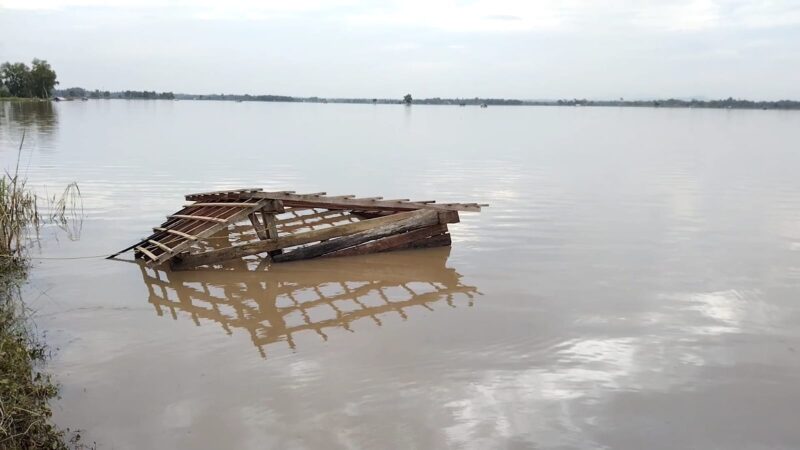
x: 304, y: 218
x: 160, y: 245
x: 293, y: 227
x: 176, y: 233
x: 236, y: 204
x: 204, y: 218
x: 229, y: 191
x: 203, y: 232
x: 147, y: 252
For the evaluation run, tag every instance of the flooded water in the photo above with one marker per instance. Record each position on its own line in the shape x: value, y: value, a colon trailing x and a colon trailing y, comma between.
x: 634, y: 284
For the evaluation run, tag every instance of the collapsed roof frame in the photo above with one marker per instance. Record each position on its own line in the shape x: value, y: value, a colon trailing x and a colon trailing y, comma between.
x: 190, y: 237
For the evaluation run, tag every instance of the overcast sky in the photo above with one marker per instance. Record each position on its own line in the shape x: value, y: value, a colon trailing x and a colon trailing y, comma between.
x: 351, y: 48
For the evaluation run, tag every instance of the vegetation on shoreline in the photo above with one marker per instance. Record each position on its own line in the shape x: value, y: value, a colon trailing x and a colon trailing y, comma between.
x: 19, y: 80
x: 77, y: 92
x: 25, y: 389
x: 729, y: 103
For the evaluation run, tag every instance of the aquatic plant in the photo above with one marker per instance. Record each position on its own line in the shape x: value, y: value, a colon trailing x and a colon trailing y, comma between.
x: 19, y: 215
x: 25, y: 390
x: 66, y: 211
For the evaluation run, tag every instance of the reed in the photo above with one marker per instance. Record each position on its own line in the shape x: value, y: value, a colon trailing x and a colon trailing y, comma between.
x: 19, y: 214
x: 25, y: 389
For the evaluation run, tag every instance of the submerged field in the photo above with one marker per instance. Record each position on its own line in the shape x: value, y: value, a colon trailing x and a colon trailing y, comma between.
x: 634, y: 280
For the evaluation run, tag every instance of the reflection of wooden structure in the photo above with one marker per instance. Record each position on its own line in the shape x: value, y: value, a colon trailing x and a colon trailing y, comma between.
x: 289, y: 226
x: 278, y: 304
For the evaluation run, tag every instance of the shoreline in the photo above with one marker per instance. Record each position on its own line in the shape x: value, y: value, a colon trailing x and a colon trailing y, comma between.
x: 783, y: 105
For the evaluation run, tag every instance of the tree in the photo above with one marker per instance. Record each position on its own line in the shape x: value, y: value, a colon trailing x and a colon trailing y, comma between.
x: 16, y: 78
x: 42, y: 79
x: 407, y: 99
x: 21, y: 81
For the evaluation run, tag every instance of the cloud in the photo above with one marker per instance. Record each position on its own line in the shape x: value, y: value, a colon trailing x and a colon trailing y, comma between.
x: 473, y: 16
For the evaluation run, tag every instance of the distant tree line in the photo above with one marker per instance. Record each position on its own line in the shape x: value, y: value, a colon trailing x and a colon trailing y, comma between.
x: 77, y: 92
x: 729, y: 103
x: 240, y: 98
x: 19, y: 80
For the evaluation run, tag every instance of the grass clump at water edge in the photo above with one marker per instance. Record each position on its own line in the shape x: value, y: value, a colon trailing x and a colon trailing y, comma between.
x: 25, y: 389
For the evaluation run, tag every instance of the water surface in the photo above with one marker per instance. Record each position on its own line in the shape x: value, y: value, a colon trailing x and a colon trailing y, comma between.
x: 633, y: 285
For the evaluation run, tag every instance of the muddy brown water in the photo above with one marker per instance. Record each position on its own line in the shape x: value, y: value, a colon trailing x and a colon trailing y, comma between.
x: 633, y: 285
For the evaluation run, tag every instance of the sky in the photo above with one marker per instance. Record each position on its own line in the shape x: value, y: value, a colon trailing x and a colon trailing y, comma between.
x: 537, y: 49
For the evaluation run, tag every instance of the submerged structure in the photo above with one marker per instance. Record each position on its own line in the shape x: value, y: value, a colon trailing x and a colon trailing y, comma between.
x: 286, y: 226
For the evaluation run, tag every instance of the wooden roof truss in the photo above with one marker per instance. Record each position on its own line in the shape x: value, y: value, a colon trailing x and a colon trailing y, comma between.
x: 224, y: 225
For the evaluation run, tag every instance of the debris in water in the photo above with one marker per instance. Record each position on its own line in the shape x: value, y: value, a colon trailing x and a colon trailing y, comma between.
x: 224, y: 225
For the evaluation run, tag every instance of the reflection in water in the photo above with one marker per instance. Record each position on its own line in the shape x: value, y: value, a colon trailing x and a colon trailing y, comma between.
x: 38, y: 119
x: 275, y: 305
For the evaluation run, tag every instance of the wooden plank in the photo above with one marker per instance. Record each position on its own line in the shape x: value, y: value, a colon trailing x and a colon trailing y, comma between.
x: 160, y: 245
x: 293, y: 227
x: 236, y: 204
x: 261, y: 232
x: 271, y: 229
x: 254, y: 248
x: 147, y: 252
x: 229, y: 191
x: 340, y: 243
x: 188, y: 228
x: 303, y: 218
x: 440, y: 240
x: 203, y: 218
x: 176, y: 233
x: 391, y: 242
x: 345, y: 202
x: 271, y: 225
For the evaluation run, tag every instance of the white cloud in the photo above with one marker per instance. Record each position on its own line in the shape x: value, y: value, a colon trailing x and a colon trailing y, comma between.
x: 477, y: 15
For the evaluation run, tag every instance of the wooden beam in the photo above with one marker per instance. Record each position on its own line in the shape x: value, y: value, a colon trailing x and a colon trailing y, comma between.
x: 391, y: 242
x: 227, y: 191
x: 236, y: 204
x: 213, y: 256
x: 346, y: 202
x: 261, y: 231
x: 340, y: 243
x: 203, y: 218
x: 271, y: 229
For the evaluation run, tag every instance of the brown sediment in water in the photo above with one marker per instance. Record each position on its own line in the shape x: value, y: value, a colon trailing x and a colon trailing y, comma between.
x: 640, y: 280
